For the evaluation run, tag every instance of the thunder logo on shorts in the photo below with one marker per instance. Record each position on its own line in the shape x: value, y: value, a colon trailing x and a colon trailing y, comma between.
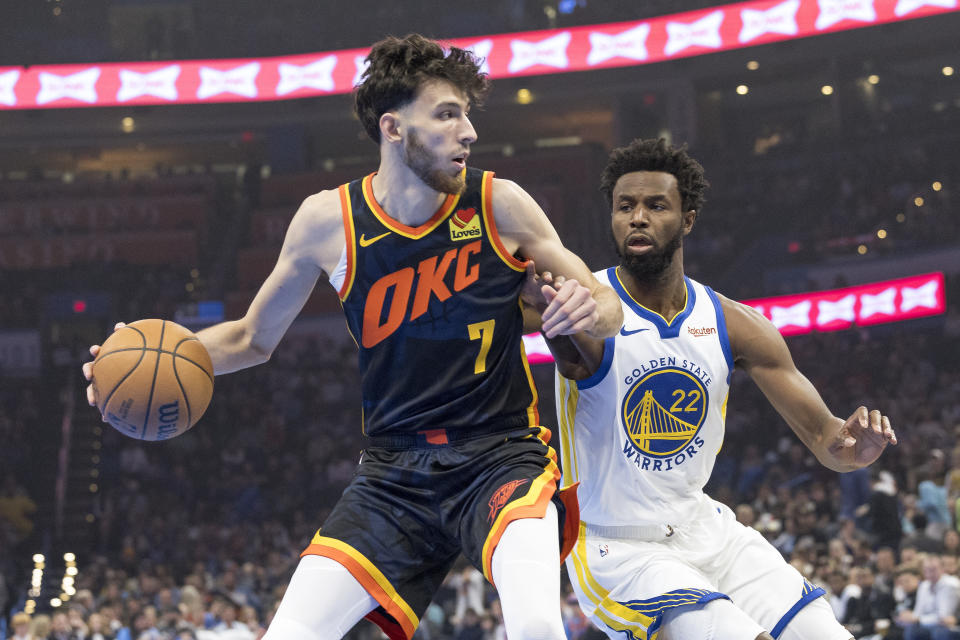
x: 663, y: 411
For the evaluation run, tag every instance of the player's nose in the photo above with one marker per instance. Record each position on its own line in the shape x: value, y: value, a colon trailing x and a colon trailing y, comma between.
x: 468, y: 135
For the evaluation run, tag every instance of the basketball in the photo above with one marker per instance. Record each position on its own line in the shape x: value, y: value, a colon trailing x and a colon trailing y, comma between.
x: 152, y: 380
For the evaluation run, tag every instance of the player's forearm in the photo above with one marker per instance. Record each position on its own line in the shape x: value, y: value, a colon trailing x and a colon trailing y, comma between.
x: 610, y: 313
x: 232, y: 347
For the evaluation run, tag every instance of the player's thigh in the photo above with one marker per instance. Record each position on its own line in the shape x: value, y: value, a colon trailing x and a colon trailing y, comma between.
x: 323, y: 601
x: 716, y: 620
x: 526, y: 572
x: 626, y: 587
x: 775, y: 594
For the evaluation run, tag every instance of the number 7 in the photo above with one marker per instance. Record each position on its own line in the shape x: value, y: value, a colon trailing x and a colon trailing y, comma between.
x: 482, y: 331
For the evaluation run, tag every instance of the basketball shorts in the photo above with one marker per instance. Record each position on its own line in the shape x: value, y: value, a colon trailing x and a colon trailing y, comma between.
x: 410, y: 511
x: 626, y: 584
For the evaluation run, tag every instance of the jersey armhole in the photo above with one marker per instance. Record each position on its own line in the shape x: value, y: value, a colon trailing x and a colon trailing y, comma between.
x: 722, y: 334
x: 608, y: 346
x: 348, y: 258
x: 486, y: 191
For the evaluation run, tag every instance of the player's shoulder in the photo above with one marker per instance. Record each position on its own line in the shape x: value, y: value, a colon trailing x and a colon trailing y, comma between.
x: 319, y: 209
x: 738, y: 312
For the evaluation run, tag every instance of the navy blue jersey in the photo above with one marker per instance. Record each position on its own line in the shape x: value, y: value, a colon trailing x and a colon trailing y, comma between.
x: 435, y: 312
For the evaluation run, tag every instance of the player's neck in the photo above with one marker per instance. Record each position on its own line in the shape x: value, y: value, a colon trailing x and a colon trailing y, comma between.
x: 664, y: 293
x: 404, y: 196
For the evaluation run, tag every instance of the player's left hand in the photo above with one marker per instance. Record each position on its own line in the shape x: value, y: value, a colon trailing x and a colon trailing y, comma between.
x: 862, y: 438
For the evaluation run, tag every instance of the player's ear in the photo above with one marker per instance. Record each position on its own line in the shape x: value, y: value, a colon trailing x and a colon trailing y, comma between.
x: 390, y: 126
x: 689, y: 217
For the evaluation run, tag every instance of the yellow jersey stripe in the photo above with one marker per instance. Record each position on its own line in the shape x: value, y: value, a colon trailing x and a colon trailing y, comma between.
x: 607, y: 609
x: 686, y: 301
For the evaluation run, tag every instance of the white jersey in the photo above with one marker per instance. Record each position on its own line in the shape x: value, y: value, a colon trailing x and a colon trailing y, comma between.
x: 641, y: 435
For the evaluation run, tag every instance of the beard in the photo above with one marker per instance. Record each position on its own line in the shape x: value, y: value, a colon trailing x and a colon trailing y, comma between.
x: 653, y: 264
x: 423, y: 162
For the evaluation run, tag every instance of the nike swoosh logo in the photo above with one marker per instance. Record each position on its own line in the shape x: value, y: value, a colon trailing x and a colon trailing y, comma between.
x: 624, y: 332
x: 366, y: 243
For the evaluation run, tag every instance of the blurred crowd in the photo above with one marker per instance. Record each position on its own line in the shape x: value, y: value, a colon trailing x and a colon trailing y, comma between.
x: 196, y: 537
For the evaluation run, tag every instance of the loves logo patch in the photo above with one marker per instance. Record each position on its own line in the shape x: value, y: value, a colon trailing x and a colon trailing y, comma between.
x: 465, y: 224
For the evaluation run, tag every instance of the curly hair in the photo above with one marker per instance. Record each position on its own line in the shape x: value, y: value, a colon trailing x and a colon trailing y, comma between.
x: 657, y: 155
x: 397, y: 67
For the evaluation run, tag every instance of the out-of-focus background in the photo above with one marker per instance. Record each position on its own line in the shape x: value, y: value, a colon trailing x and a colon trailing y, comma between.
x: 834, y: 160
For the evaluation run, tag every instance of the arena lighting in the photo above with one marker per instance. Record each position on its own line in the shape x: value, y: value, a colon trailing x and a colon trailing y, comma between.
x: 55, y: 602
x: 862, y: 249
x: 38, y: 557
x: 918, y: 201
x: 947, y: 71
x: 826, y: 90
x: 586, y: 48
x: 881, y: 233
x: 753, y: 65
x: 901, y: 217
x: 127, y: 124
x: 873, y: 78
x: 524, y: 96
x: 742, y: 89
x: 831, y: 310
x: 936, y: 186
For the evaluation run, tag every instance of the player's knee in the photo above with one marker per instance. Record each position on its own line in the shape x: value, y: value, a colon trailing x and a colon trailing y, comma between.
x: 289, y: 629
x: 534, y: 627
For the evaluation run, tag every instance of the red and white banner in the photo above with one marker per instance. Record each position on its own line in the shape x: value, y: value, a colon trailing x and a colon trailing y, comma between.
x: 863, y: 305
x: 514, y: 54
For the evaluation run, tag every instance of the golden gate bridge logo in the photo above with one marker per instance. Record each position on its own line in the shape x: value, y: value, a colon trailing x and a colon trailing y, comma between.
x: 664, y: 410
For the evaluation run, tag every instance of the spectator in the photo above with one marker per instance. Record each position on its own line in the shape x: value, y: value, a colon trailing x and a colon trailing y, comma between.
x: 871, y: 605
x: 21, y: 626
x: 933, y: 617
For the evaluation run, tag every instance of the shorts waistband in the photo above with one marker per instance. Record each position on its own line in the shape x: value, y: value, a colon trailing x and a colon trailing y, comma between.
x: 427, y: 438
x: 646, y: 533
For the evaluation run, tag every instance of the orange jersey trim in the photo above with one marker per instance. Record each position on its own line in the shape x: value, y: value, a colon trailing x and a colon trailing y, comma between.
x: 406, y: 231
x: 533, y: 413
x: 495, y: 242
x: 369, y: 577
x: 346, y: 210
x: 532, y: 505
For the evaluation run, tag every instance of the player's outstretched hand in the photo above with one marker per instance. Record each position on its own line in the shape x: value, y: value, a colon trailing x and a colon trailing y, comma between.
x: 862, y: 438
x: 88, y: 367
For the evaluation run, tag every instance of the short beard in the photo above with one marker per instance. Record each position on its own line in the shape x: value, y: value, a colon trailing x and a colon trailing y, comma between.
x: 421, y: 161
x: 651, y: 266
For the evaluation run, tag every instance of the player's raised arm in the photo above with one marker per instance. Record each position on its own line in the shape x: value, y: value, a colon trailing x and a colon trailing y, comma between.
x: 312, y: 245
x: 582, y: 304
x: 841, y: 445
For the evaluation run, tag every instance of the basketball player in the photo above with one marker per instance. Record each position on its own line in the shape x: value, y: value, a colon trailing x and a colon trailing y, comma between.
x: 642, y: 415
x: 428, y: 257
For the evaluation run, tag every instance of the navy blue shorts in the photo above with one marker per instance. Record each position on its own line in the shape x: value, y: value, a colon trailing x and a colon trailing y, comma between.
x: 411, y: 510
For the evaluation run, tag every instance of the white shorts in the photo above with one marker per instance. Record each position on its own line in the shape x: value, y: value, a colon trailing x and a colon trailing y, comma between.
x: 625, y: 585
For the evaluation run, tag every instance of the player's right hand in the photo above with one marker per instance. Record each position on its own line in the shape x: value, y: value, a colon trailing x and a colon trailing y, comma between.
x: 88, y: 368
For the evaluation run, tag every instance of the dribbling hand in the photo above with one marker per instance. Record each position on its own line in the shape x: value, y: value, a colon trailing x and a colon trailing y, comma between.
x: 88, y: 368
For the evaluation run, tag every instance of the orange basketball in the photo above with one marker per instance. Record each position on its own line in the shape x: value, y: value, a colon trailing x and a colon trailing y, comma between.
x: 152, y: 379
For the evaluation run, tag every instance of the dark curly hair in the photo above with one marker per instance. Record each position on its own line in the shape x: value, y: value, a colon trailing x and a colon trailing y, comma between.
x: 657, y: 155
x: 399, y: 66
